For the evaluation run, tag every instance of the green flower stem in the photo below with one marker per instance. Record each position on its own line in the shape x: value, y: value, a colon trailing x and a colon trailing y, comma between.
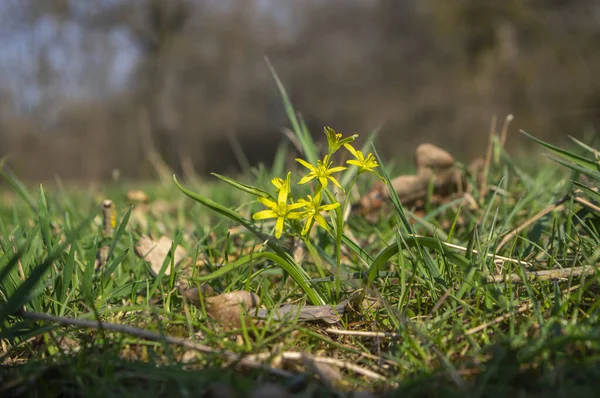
x: 349, y: 192
x: 318, y: 260
x: 339, y: 229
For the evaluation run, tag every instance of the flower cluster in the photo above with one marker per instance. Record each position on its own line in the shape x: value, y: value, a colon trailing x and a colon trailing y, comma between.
x: 310, y: 210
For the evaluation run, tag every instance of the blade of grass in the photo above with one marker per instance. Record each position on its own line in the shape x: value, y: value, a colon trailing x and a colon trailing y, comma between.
x: 21, y: 295
x: 244, y: 187
x: 306, y: 141
x: 579, y: 160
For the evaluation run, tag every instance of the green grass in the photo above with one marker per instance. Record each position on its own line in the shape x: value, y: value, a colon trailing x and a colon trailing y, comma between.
x: 451, y: 332
x: 450, y: 320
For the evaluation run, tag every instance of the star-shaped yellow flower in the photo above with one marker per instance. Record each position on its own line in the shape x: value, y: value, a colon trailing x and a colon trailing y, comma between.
x: 364, y: 164
x: 323, y: 171
x: 313, y: 212
x: 280, y: 210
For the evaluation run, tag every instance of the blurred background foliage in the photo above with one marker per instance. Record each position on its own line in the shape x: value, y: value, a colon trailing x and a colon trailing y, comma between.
x: 87, y: 87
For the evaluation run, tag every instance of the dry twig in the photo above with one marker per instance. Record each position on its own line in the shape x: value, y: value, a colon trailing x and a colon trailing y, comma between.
x: 149, y: 335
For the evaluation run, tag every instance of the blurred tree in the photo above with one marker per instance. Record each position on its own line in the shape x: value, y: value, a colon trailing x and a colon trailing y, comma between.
x: 88, y: 86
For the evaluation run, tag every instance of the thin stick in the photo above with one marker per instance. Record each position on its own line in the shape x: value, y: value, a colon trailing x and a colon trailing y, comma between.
x: 298, y: 356
x: 523, y: 308
x: 533, y: 219
x: 509, y: 118
x: 148, y: 335
x: 488, y: 159
x: 495, y: 256
x: 361, y: 333
x: 587, y: 204
x: 295, y: 356
x: 544, y: 275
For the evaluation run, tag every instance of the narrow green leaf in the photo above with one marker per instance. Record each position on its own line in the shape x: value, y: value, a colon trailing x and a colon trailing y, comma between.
x: 21, y: 295
x: 412, y: 241
x: 588, y: 148
x: 579, y: 160
x: 297, y: 273
x: 308, y: 146
x: 244, y: 187
x: 88, y: 270
x: 583, y: 170
x: 18, y: 186
x: 43, y: 219
x: 278, y: 168
x: 590, y: 193
x: 112, y: 265
x: 14, y: 259
x: 393, y: 195
x: 119, y: 232
x: 67, y: 275
x: 271, y: 241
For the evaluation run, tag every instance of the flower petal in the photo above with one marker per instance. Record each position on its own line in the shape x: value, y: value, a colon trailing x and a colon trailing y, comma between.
x: 261, y: 215
x: 336, y: 169
x: 268, y: 202
x: 306, y: 164
x: 329, y: 207
x: 335, y: 182
x: 351, y: 149
x: 295, y: 206
x: 279, y: 227
x: 306, y: 179
x: 321, y: 221
x: 295, y: 215
x: 307, y: 226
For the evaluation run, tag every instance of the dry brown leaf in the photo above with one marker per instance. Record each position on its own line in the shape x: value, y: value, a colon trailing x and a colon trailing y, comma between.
x: 327, y: 313
x: 155, y: 252
x: 228, y: 308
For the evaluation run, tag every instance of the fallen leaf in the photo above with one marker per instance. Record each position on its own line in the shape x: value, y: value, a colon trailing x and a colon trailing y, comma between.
x: 327, y: 313
x: 228, y: 308
x: 155, y: 252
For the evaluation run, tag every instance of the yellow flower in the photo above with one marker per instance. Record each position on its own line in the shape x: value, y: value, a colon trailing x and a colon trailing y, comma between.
x: 364, y: 164
x: 313, y: 212
x: 323, y: 172
x: 335, y: 140
x: 280, y: 210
